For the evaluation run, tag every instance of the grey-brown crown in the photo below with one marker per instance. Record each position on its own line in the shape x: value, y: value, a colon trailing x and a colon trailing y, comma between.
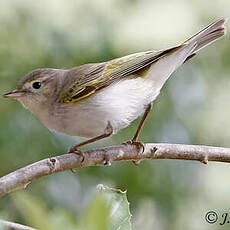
x: 36, y: 74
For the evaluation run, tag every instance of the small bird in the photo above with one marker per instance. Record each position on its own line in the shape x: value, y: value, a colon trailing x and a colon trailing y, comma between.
x: 97, y: 100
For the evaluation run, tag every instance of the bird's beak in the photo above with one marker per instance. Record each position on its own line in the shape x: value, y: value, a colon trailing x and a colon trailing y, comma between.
x: 14, y: 94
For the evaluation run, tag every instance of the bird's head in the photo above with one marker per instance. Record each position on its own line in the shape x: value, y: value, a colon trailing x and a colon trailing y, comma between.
x: 37, y: 88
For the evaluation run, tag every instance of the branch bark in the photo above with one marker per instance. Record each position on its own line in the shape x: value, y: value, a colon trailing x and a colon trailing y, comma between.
x: 104, y: 156
x: 14, y: 226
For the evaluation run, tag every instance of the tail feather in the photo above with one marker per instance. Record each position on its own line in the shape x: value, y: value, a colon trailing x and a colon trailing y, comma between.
x: 208, y: 35
x: 167, y: 64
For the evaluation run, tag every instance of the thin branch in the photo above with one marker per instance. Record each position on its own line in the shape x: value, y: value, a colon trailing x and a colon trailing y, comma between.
x: 104, y: 156
x: 15, y: 226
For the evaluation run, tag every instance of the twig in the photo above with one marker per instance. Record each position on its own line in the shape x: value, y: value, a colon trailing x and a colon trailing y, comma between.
x: 15, y: 226
x: 104, y: 156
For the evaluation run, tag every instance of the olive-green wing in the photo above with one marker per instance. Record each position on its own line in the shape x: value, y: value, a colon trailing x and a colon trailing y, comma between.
x: 88, y: 79
x: 82, y: 81
x: 130, y: 64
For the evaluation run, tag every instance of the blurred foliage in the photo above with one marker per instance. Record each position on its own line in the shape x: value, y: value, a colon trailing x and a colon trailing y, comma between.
x: 193, y: 108
x: 108, y: 209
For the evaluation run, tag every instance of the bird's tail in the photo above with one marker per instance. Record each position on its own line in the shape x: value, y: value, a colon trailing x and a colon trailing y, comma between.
x: 208, y: 35
x: 176, y: 56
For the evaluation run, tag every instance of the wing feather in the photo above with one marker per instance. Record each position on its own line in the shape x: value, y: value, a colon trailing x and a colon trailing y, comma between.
x: 88, y: 79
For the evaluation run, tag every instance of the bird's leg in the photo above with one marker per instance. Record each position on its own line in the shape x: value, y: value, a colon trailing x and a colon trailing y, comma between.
x: 140, y: 126
x: 108, y: 131
x: 147, y: 111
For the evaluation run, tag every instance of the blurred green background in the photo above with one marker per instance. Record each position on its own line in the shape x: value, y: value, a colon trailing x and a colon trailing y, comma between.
x: 193, y: 108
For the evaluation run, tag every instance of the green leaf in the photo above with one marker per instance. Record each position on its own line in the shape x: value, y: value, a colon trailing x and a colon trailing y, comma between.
x: 109, y: 210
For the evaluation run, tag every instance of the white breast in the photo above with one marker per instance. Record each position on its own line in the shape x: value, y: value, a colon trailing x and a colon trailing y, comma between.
x: 120, y: 104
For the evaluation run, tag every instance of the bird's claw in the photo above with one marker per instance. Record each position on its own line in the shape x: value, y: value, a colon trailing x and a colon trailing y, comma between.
x: 140, y: 146
x: 78, y: 152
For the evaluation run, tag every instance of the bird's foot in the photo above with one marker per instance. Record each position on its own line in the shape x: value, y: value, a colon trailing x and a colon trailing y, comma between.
x: 75, y: 150
x: 140, y: 146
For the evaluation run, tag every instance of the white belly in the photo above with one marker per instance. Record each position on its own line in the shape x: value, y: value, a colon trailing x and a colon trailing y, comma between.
x: 118, y: 104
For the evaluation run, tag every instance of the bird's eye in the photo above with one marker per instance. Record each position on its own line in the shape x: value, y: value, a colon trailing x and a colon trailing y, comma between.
x: 37, y: 85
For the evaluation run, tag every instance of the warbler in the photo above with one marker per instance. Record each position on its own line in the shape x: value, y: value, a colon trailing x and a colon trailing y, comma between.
x: 97, y: 100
